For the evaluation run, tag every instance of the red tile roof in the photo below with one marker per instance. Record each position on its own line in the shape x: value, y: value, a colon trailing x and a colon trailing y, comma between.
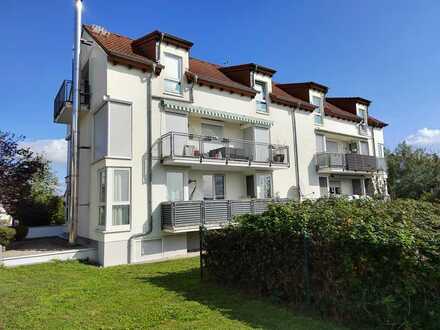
x: 119, y: 48
x: 281, y: 97
x: 210, y: 75
x: 333, y: 111
x: 122, y: 49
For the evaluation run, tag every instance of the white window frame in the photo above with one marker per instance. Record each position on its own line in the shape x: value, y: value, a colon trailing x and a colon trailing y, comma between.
x: 102, y: 203
x: 213, y: 175
x: 263, y: 100
x: 380, y: 150
x: 364, y: 114
x: 183, y: 184
x: 360, y: 147
x: 271, y: 184
x: 318, y: 112
x: 173, y: 79
x: 332, y: 185
x: 109, y: 200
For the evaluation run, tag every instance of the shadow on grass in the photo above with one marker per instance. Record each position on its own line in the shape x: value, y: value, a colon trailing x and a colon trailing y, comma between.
x: 251, y: 311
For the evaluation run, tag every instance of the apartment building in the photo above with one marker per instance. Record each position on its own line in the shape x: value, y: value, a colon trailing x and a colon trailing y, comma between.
x: 168, y: 142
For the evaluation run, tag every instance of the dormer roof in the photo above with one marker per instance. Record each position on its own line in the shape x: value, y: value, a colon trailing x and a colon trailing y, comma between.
x: 141, y: 53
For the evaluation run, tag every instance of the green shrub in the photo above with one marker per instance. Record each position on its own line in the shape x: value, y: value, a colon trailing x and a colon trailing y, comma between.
x: 6, y: 235
x: 373, y: 262
x: 21, y: 232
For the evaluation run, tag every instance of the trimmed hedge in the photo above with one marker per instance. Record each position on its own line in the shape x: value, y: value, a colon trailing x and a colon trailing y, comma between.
x: 373, y: 262
x: 7, y: 235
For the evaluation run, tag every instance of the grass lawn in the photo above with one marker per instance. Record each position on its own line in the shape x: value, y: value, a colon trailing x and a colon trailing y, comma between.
x: 165, y: 295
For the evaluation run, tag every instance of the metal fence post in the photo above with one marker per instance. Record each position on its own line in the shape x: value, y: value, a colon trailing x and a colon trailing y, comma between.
x: 307, y: 292
x: 201, y: 242
x: 1, y: 255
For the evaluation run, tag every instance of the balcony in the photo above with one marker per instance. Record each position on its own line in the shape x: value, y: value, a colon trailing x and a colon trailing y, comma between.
x: 327, y: 162
x: 191, y: 149
x: 186, y: 216
x: 62, y: 105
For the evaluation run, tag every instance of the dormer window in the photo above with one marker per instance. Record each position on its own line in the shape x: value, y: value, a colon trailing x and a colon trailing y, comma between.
x: 316, y: 100
x: 363, y: 114
x: 261, y: 98
x: 173, y: 74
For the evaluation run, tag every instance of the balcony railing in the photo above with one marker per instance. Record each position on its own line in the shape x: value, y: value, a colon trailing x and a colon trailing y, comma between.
x: 349, y: 162
x: 189, y: 215
x: 65, y: 96
x: 203, y: 148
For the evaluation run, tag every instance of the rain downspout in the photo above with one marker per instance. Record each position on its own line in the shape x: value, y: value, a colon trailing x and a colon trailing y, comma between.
x: 149, y: 169
x: 295, y: 152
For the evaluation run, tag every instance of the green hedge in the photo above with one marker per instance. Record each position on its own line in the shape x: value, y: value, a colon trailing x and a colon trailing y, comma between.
x: 7, y: 235
x: 373, y: 262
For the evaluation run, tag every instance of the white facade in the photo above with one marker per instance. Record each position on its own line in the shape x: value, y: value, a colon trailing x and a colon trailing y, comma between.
x: 113, y: 184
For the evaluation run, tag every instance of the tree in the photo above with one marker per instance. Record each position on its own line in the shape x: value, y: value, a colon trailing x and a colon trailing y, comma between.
x: 413, y: 173
x: 18, y: 166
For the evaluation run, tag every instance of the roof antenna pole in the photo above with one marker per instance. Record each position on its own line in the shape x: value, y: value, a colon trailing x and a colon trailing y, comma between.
x: 73, y: 209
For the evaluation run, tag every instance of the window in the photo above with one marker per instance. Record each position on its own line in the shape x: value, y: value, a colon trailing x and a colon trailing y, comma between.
x: 214, y: 186
x: 173, y: 74
x: 332, y: 146
x: 380, y: 150
x: 121, y: 197
x: 100, y: 124
x: 113, y: 131
x: 212, y: 130
x: 363, y: 114
x: 335, y: 188
x: 175, y: 186
x: 323, y: 186
x: 260, y: 87
x: 114, y: 198
x: 102, y: 191
x: 364, y: 148
x: 120, y: 130
x: 320, y: 143
x: 316, y: 100
x: 264, y: 186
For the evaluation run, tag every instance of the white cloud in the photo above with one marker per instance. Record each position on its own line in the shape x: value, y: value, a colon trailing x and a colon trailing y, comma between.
x: 426, y: 137
x: 54, y: 150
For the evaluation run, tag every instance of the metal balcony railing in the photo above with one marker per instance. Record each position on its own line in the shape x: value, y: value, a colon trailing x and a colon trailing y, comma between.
x: 65, y: 96
x: 214, y: 213
x: 191, y: 146
x: 349, y: 162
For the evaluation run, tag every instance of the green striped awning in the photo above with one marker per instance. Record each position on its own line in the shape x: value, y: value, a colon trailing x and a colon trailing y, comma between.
x: 216, y: 114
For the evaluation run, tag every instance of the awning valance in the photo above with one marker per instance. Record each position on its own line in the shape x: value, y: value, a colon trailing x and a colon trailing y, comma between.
x: 216, y: 114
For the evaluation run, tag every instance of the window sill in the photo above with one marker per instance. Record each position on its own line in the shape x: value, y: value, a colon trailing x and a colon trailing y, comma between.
x: 263, y: 112
x: 180, y: 95
x: 113, y: 229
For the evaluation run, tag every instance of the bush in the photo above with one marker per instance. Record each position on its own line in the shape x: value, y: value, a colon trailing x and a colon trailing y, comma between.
x: 34, y: 212
x: 6, y: 235
x: 21, y: 232
x: 372, y: 262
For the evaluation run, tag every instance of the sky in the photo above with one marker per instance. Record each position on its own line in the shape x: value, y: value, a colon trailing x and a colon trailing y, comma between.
x: 384, y: 51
